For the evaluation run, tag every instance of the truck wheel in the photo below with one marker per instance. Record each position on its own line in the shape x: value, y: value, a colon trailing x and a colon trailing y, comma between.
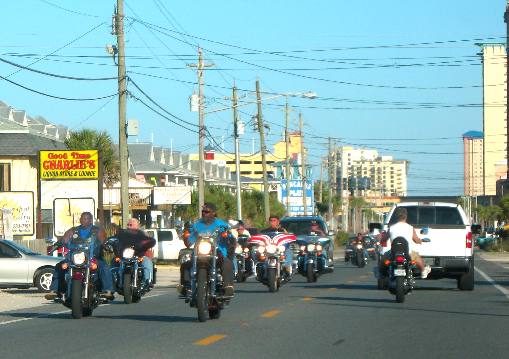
x: 466, y: 281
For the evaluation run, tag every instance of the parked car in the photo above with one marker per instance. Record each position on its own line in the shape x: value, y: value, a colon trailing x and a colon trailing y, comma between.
x: 168, y: 243
x: 20, y: 267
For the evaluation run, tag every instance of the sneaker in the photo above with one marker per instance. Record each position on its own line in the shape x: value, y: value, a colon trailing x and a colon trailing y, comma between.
x: 228, y: 291
x: 425, y: 272
x: 51, y: 295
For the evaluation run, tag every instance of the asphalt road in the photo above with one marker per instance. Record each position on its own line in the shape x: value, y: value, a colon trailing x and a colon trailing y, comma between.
x: 342, y: 315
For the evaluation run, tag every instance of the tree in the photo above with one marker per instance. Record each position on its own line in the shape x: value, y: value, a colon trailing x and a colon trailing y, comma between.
x: 87, y: 139
x: 356, y: 204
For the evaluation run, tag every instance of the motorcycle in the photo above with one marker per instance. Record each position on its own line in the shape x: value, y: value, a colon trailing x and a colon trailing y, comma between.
x: 358, y: 256
x: 244, y: 260
x: 127, y: 270
x: 400, y: 270
x: 82, y: 278
x: 207, y: 292
x: 311, y: 261
x: 271, y: 256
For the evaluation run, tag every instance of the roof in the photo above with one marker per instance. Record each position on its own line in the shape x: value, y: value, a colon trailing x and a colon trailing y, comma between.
x: 473, y: 134
x: 26, y: 144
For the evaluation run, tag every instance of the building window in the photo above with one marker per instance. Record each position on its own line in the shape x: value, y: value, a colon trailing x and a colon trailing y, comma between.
x: 5, y: 177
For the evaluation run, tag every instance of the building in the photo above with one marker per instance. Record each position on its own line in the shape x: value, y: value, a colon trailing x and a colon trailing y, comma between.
x: 473, y: 163
x: 362, y: 172
x: 494, y: 115
x: 251, y: 168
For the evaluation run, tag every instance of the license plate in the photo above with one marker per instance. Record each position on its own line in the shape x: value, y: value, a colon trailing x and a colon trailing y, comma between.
x: 399, y: 272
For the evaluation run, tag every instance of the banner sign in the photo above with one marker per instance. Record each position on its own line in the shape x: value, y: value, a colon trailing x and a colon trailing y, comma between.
x: 76, y: 164
x: 172, y: 195
x: 296, y: 197
x: 16, y: 214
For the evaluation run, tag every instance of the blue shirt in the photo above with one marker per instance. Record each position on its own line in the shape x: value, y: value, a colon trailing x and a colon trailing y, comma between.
x: 200, y: 228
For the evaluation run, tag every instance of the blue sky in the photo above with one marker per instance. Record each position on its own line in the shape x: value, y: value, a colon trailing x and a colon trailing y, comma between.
x: 392, y: 75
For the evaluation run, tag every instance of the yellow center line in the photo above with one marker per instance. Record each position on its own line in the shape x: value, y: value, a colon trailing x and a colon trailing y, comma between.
x: 210, y: 340
x: 350, y: 281
x: 270, y: 313
x: 332, y: 289
x: 307, y: 299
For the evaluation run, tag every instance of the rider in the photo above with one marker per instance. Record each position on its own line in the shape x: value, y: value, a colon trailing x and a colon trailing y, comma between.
x: 85, y: 230
x: 402, y: 229
x: 135, y: 237
x: 208, y: 224
x: 275, y: 226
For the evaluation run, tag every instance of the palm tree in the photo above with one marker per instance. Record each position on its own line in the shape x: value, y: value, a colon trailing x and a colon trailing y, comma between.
x: 357, y: 203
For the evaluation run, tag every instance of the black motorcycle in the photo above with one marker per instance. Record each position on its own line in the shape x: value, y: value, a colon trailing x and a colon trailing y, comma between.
x: 400, y: 270
x: 245, y: 263
x: 312, y: 259
x: 207, y: 292
x: 358, y: 256
x: 127, y: 269
x: 82, y: 278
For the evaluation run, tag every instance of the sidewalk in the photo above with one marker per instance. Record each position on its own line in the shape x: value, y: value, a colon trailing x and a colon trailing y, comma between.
x: 501, y: 258
x: 14, y: 299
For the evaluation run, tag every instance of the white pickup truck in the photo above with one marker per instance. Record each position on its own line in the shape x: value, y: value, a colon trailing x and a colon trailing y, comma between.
x: 447, y: 239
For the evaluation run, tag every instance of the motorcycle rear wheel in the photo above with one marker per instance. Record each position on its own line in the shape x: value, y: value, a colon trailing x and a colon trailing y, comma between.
x: 400, y: 289
x: 310, y: 273
x: 76, y: 307
x: 272, y: 280
x: 128, y: 290
x: 202, y: 304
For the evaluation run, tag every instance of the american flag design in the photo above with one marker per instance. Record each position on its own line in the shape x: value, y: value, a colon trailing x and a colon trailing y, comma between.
x: 278, y: 239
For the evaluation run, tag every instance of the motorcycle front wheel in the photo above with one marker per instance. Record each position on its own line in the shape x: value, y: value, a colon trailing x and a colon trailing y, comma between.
x: 272, y: 280
x: 201, y: 295
x: 310, y: 271
x: 400, y: 289
x: 360, y: 259
x: 127, y: 288
x: 76, y: 307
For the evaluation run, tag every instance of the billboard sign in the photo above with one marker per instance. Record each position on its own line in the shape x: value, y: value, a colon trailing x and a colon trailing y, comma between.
x: 67, y: 212
x: 16, y: 214
x: 172, y: 195
x: 75, y: 164
x: 295, y: 196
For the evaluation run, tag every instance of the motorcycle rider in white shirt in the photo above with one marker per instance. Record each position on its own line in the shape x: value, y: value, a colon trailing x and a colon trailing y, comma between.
x: 402, y: 229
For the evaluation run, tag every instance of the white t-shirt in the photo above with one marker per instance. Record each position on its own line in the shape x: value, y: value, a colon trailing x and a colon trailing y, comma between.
x: 402, y: 229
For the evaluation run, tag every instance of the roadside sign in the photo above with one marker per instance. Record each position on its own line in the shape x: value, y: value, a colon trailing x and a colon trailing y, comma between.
x: 296, y: 207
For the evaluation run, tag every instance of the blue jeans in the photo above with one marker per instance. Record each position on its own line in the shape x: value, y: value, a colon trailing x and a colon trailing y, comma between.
x: 148, y: 268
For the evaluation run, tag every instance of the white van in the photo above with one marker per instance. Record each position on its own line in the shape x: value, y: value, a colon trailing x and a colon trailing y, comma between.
x: 168, y: 243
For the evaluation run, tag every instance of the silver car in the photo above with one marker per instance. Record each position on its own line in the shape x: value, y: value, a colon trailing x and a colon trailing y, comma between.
x: 20, y: 267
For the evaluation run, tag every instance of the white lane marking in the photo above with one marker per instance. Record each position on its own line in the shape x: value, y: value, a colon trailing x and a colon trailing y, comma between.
x: 63, y: 311
x: 493, y: 283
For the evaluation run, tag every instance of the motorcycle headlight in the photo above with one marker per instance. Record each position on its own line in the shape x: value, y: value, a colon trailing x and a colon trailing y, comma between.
x: 246, y: 250
x: 319, y: 247
x: 79, y: 258
x: 311, y: 247
x: 359, y: 246
x: 128, y: 253
x: 281, y: 249
x: 238, y: 249
x: 302, y: 248
x: 271, y: 248
x: 261, y: 249
x: 204, y: 248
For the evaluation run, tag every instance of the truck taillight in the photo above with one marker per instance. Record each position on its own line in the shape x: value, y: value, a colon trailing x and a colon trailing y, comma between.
x: 468, y: 242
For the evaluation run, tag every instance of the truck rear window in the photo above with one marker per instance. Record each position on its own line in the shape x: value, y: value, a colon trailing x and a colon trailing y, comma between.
x: 165, y: 236
x: 424, y: 215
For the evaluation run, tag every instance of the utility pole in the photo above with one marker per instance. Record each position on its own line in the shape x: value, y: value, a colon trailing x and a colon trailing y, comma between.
x: 506, y: 19
x: 320, y: 189
x: 201, y: 130
x: 237, y: 155
x: 331, y: 175
x: 262, y: 149
x: 304, y: 176
x: 122, y: 127
x: 287, y: 154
